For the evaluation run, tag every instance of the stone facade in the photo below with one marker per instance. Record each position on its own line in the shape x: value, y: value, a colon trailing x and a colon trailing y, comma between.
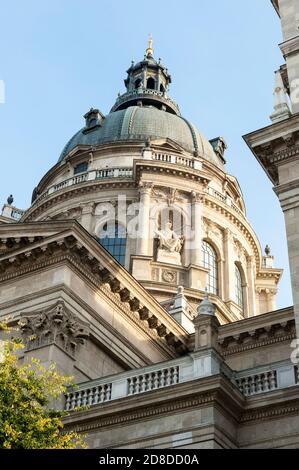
x: 277, y: 146
x: 166, y: 318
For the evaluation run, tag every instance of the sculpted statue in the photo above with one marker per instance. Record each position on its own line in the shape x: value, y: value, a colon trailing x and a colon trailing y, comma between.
x: 169, y: 240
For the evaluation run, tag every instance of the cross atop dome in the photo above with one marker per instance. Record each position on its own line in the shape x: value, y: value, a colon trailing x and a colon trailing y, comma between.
x: 150, y: 50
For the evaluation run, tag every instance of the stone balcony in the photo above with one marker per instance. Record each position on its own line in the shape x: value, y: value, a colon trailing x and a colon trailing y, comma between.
x: 93, y: 175
x: 199, y: 365
x: 146, y: 94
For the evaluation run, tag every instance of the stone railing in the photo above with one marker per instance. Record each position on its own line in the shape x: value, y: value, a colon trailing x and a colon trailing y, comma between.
x: 124, y: 385
x: 262, y: 380
x: 257, y: 383
x: 140, y: 92
x: 88, y: 396
x: 176, y: 160
x: 224, y: 199
x: 114, y: 173
x: 11, y: 212
x: 181, y: 370
x: 153, y: 380
x: 16, y: 214
x: 88, y: 176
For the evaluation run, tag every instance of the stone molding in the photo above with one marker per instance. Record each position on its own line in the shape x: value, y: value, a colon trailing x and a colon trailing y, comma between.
x: 275, y: 144
x: 214, y: 391
x: 66, y: 247
x: 210, y: 391
x: 54, y: 325
x: 290, y: 46
x: 150, y: 411
x: 269, y: 412
x: 262, y: 335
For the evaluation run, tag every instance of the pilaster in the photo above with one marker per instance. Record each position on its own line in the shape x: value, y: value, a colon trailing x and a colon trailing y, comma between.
x: 228, y: 288
x: 144, y: 219
x: 276, y: 147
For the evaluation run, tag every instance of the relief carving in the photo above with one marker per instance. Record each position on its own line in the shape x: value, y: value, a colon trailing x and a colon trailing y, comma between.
x: 211, y: 229
x: 55, y: 324
x: 169, y: 276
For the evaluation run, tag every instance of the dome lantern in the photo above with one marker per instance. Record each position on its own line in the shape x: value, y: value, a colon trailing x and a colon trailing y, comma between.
x: 147, y: 83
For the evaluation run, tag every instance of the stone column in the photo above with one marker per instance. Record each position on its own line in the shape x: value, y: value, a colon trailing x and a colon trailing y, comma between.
x: 271, y: 299
x: 196, y: 215
x: 251, y: 286
x: 277, y: 146
x: 144, y: 219
x: 158, y: 80
x: 87, y: 216
x: 288, y: 11
x: 228, y: 288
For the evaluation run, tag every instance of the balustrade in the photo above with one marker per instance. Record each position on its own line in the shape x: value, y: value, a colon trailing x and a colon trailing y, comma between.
x: 257, y: 383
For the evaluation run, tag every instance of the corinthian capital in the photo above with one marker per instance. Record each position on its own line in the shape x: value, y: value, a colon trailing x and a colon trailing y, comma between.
x: 145, y: 187
x: 197, y: 197
x: 55, y: 324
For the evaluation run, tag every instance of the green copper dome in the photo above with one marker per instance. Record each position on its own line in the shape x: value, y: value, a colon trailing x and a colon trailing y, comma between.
x: 143, y: 123
x: 144, y: 112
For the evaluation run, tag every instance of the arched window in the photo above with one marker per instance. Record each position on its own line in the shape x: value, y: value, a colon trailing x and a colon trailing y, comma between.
x: 151, y: 84
x: 162, y: 89
x: 239, y: 287
x: 137, y: 83
x: 209, y: 260
x: 113, y: 237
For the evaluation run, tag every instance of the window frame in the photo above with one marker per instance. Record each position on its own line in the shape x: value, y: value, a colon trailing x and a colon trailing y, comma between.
x: 208, y: 250
x: 117, y: 244
x: 239, y: 287
x: 76, y: 172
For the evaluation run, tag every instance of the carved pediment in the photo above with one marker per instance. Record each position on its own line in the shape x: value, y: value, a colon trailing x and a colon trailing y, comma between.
x: 54, y: 325
x: 211, y: 229
x: 167, y: 145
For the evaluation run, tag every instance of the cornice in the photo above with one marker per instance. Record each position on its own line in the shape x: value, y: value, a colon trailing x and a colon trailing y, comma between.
x: 278, y: 404
x: 258, y: 344
x: 290, y: 186
x: 65, y: 194
x: 85, y: 150
x: 215, y: 390
x: 257, y: 334
x: 105, y: 275
x: 290, y: 46
x: 142, y: 414
x: 276, y: 6
x: 275, y: 144
x: 98, y: 326
x: 155, y: 166
x: 270, y: 273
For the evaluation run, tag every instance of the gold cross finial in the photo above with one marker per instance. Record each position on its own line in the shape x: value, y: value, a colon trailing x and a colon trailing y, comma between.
x: 150, y: 50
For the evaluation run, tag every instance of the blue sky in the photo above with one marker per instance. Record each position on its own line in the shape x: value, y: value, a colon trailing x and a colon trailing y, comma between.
x: 59, y: 58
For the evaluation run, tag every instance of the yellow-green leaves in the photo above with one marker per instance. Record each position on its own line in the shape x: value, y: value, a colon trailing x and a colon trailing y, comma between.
x: 26, y: 391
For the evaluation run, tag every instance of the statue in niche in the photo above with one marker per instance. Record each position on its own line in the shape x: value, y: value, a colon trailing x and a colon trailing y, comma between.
x: 169, y: 240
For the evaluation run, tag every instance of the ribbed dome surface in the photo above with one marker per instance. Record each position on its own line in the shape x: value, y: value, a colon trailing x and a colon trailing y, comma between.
x: 142, y: 123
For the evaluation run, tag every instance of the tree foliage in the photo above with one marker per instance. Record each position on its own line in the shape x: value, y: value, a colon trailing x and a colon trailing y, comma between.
x: 27, y: 394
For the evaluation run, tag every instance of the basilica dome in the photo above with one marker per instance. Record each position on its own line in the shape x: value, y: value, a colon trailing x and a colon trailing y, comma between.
x: 144, y: 112
x: 143, y: 123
